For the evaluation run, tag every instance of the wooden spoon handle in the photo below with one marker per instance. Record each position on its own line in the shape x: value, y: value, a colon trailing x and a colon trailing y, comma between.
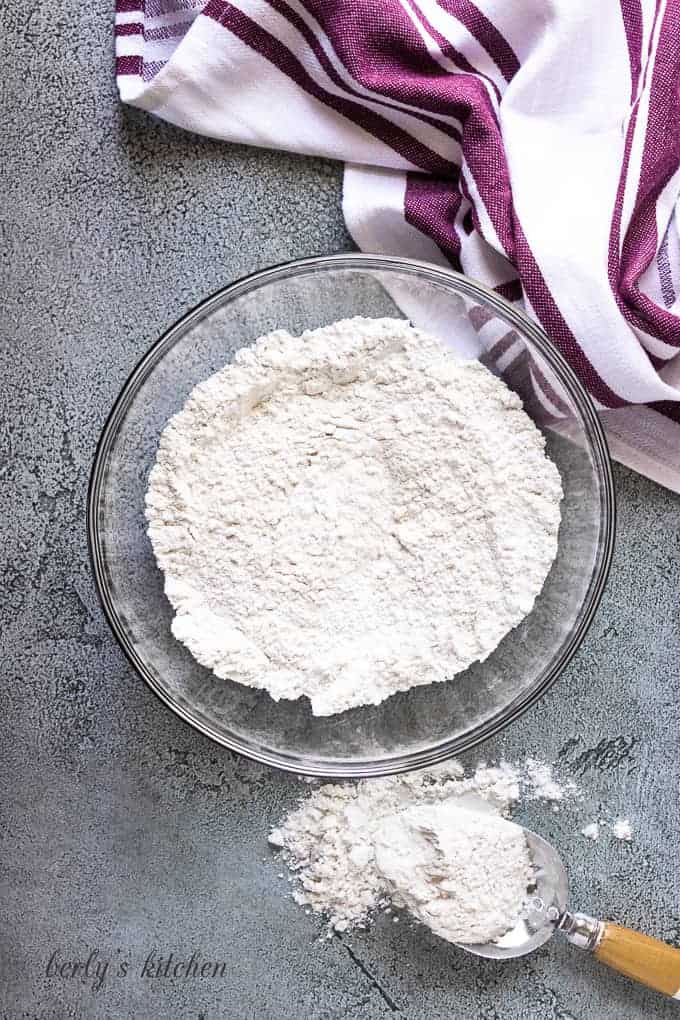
x: 641, y: 958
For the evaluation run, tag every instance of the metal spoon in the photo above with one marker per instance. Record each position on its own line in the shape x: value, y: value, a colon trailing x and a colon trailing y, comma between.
x: 639, y: 957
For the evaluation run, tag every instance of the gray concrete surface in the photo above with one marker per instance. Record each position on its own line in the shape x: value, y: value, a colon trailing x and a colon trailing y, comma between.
x: 122, y: 830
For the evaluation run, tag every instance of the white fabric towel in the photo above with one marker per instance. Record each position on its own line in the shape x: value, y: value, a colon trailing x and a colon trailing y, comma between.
x: 533, y: 146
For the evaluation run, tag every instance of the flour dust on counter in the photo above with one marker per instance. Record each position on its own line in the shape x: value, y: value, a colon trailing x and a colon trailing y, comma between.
x: 350, y: 513
x: 622, y: 829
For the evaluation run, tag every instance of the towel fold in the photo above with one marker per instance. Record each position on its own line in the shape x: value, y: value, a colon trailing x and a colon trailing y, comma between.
x: 532, y: 146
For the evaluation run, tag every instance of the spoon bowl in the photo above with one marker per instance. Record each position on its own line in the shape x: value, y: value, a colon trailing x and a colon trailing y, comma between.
x: 644, y: 959
x: 545, y: 908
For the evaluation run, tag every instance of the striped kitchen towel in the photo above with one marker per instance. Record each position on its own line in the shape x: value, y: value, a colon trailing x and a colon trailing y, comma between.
x: 535, y: 146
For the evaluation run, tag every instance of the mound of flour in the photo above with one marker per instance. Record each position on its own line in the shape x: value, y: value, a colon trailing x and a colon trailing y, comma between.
x: 350, y: 513
x: 435, y: 842
x: 463, y: 873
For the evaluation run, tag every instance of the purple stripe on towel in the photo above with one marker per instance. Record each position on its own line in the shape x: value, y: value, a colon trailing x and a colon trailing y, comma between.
x: 486, y: 34
x: 479, y: 315
x: 631, y: 12
x: 177, y: 29
x: 431, y: 206
x: 389, y: 56
x: 450, y: 52
x: 547, y: 388
x: 511, y: 291
x: 447, y: 47
x: 632, y: 19
x: 157, y: 8
x: 130, y: 28
x: 379, y: 99
x: 128, y: 65
x: 253, y: 35
x: 660, y: 161
x: 552, y: 320
x: 502, y: 346
x: 663, y: 266
x: 668, y: 408
x: 151, y: 68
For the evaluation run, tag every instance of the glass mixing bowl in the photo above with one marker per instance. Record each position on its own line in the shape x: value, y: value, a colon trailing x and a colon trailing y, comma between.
x: 427, y: 724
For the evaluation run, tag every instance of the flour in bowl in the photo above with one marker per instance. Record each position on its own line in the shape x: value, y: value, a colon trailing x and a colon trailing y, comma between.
x: 350, y: 513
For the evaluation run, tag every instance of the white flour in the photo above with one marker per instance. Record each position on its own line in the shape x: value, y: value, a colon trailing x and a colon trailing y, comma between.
x: 462, y: 873
x: 591, y: 831
x: 351, y: 513
x: 541, y: 783
x: 354, y: 848
x: 622, y: 829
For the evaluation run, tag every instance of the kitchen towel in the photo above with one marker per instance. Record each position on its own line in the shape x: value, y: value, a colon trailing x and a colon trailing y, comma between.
x: 532, y: 145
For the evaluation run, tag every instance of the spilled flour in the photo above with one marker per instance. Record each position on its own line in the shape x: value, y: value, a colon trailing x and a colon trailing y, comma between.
x: 438, y: 843
x: 622, y: 829
x: 350, y: 513
x: 435, y: 842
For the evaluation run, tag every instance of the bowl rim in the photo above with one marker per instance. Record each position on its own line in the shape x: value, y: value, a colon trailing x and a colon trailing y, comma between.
x: 424, y: 757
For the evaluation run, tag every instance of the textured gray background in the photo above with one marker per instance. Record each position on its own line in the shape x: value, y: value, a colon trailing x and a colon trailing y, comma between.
x: 124, y: 830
